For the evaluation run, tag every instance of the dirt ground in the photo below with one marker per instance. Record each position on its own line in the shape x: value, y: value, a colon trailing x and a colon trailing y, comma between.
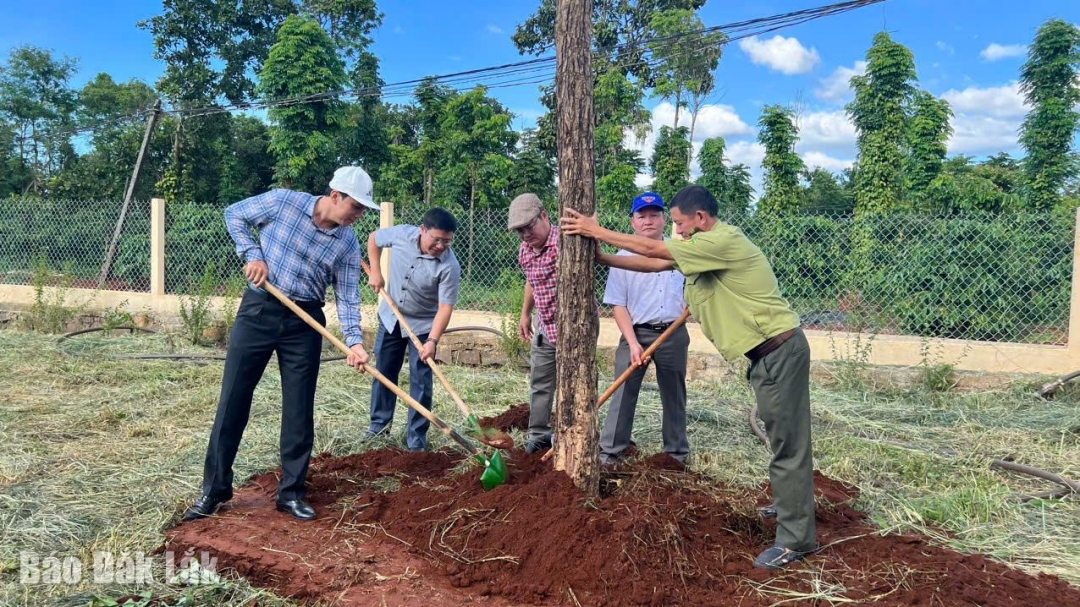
x: 403, y: 529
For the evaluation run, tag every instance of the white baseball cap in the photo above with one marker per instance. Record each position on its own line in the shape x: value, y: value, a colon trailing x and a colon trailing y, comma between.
x: 355, y: 182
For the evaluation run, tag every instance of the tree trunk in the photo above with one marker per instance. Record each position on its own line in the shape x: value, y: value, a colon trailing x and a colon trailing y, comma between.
x: 427, y: 186
x: 693, y: 123
x: 577, y: 433
x: 678, y: 106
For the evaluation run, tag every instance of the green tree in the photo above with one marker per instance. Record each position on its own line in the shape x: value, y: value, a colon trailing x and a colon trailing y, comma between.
x: 475, y: 167
x: 533, y: 171
x: 616, y: 189
x: 668, y: 162
x: 14, y: 174
x: 303, y: 62
x: 210, y: 47
x: 880, y: 115
x: 115, y: 115
x: 778, y: 134
x: 825, y: 195
x: 433, y: 99
x: 729, y: 184
x: 37, y: 103
x: 928, y: 137
x: 686, y: 56
x: 1051, y: 84
x: 623, y: 73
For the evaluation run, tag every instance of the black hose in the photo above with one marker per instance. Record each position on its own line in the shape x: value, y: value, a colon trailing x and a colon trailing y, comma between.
x: 1070, y: 487
x: 1051, y: 388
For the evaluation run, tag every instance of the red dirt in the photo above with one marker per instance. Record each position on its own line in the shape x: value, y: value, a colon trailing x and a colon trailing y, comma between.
x: 514, y: 418
x: 664, y: 537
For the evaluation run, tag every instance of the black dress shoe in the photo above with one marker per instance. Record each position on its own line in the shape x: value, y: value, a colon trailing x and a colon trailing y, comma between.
x: 300, y: 509
x: 203, y: 507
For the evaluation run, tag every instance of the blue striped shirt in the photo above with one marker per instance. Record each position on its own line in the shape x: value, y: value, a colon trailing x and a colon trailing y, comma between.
x: 303, y: 258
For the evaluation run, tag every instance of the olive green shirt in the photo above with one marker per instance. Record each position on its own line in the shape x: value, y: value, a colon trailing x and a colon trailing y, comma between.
x: 731, y: 289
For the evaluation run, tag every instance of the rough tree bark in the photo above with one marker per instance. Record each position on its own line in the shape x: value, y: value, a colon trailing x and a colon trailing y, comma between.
x: 577, y: 433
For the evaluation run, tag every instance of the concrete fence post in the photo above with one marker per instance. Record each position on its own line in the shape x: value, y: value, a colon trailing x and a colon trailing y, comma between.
x: 157, y: 246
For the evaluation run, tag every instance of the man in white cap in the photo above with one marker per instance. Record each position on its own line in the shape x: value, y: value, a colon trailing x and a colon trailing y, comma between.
x: 304, y: 245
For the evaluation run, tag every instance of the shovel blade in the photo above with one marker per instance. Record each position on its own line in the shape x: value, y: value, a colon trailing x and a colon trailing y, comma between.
x: 495, y: 472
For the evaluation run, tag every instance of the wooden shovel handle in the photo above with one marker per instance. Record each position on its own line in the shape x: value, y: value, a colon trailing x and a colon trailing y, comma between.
x: 648, y: 352
x: 419, y: 346
x: 340, y: 345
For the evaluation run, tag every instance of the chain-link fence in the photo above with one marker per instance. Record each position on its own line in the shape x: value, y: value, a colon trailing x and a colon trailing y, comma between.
x: 990, y: 278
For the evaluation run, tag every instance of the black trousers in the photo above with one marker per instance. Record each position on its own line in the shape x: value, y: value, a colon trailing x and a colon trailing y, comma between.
x: 265, y: 326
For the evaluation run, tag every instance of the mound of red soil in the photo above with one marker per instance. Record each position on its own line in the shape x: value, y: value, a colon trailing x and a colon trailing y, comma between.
x: 514, y: 418
x: 664, y: 537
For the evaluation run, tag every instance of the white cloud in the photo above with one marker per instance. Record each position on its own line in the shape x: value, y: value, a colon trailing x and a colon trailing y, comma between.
x: 784, y: 55
x: 835, y: 88
x: 822, y: 160
x: 829, y: 130
x: 978, y: 135
x: 712, y: 121
x: 1004, y: 101
x: 643, y: 180
x: 944, y: 47
x: 997, y: 52
x: 494, y: 29
x: 750, y: 153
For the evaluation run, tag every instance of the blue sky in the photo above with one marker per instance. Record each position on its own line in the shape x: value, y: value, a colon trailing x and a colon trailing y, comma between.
x: 968, y: 51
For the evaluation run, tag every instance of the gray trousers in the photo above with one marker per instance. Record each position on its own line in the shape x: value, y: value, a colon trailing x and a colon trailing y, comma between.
x: 670, y: 359
x: 781, y: 382
x: 541, y: 387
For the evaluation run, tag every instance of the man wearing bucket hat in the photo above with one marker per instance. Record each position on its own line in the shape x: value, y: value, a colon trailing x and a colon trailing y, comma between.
x: 304, y: 246
x: 537, y: 255
x: 645, y: 304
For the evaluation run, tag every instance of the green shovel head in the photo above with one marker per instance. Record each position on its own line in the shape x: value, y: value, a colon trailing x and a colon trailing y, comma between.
x: 495, y: 472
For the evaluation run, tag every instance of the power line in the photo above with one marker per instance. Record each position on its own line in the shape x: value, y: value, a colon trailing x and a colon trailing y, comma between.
x: 535, y: 71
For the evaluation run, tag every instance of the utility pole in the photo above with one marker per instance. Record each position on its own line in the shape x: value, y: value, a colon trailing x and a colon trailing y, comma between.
x: 110, y: 252
x: 577, y: 432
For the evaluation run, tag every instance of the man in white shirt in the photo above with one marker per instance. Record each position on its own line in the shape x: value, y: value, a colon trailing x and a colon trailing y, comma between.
x: 645, y: 304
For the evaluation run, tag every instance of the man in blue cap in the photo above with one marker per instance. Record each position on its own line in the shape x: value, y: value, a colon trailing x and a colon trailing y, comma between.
x: 645, y: 305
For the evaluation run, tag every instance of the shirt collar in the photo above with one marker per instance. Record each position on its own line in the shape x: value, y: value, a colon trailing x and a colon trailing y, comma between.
x: 552, y: 240
x: 309, y: 208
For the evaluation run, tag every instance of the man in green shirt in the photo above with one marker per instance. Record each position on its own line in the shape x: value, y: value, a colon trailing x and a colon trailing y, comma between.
x: 732, y: 291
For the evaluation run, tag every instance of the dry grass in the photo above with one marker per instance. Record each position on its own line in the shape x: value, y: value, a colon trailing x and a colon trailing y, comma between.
x: 103, y: 454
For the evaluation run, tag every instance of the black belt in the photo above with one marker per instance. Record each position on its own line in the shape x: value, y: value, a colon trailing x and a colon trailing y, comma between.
x: 766, y: 347
x: 306, y: 305
x: 659, y: 327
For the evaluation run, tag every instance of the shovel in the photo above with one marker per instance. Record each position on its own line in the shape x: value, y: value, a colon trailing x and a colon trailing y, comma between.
x: 494, y: 474
x: 489, y: 436
x: 632, y: 368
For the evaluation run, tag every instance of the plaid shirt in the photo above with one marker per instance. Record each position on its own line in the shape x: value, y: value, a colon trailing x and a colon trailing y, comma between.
x: 303, y: 258
x: 540, y: 272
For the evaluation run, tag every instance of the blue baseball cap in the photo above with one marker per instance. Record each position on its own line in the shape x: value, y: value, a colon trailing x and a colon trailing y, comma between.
x: 648, y: 199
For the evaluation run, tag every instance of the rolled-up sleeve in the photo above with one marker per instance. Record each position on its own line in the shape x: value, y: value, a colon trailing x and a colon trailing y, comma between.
x: 249, y: 213
x: 705, y: 252
x: 347, y: 290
